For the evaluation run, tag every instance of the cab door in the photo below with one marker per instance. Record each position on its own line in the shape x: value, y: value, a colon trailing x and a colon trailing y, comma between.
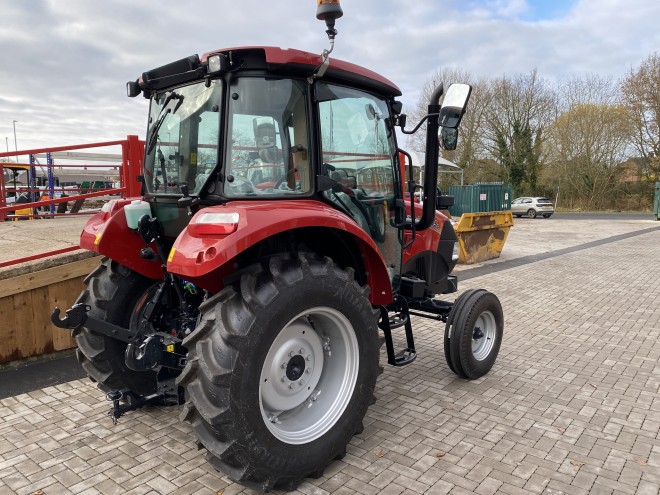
x: 358, y: 150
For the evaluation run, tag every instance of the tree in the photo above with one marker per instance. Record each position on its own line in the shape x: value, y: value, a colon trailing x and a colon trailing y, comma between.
x: 519, y: 110
x: 519, y: 156
x: 588, y: 142
x: 641, y: 94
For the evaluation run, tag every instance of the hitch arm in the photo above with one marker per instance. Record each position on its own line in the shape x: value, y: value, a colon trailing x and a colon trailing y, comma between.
x: 77, y: 316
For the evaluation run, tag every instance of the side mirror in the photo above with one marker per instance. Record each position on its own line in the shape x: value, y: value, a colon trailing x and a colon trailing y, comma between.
x: 454, y: 104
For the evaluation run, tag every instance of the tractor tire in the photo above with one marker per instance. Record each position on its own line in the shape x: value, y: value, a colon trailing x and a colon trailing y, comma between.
x: 380, y: 224
x: 531, y: 213
x: 281, y: 370
x: 116, y: 294
x: 455, y: 309
x: 474, y: 334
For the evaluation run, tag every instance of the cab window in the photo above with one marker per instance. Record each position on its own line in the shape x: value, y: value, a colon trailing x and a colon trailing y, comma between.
x: 358, y: 151
x: 267, y: 153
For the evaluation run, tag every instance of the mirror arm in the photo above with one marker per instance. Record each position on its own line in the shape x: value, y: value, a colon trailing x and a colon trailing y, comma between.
x: 426, y: 117
x: 431, y: 163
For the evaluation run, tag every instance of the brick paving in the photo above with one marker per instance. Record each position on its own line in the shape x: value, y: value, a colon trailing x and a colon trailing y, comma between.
x: 571, y: 406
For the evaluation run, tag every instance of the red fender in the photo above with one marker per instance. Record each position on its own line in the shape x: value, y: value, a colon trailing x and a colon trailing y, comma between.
x: 202, y: 249
x: 107, y: 233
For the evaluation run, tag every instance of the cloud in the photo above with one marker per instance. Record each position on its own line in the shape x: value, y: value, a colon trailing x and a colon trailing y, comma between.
x: 63, y: 65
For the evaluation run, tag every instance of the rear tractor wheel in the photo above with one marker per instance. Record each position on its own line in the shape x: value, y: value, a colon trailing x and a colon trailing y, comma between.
x: 281, y: 370
x: 473, y: 333
x: 117, y: 295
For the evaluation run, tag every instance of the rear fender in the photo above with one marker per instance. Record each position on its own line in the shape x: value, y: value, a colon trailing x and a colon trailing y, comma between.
x: 206, y: 258
x: 107, y: 233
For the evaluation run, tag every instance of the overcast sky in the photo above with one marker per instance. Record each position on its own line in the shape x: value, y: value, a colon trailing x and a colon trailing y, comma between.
x: 64, y: 63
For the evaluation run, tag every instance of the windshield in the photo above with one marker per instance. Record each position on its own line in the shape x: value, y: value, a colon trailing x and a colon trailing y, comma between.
x: 182, y: 140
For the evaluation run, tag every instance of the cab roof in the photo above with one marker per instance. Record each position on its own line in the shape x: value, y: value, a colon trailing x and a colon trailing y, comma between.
x: 285, y: 62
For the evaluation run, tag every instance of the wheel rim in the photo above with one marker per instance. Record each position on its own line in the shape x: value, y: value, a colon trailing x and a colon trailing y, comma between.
x: 308, y: 376
x: 531, y: 214
x: 483, y: 335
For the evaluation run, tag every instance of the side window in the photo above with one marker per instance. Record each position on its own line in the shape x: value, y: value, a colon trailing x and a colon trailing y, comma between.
x: 268, y: 146
x: 357, y: 151
x: 356, y: 143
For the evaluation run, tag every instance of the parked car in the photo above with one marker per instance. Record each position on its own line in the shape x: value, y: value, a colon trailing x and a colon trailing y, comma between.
x: 532, y: 207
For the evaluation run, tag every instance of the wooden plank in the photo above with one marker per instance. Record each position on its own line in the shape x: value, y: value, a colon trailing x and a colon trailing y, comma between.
x: 43, y: 334
x: 63, y: 295
x: 48, y: 276
x: 23, y: 324
x: 8, y: 345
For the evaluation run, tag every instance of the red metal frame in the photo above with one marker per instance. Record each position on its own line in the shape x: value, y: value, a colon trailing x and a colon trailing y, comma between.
x: 38, y: 256
x: 132, y: 153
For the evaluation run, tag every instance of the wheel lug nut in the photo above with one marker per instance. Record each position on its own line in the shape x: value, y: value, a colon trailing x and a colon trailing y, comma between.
x: 308, y: 371
x: 302, y: 350
x: 283, y: 366
x: 283, y: 378
x: 292, y: 353
x: 292, y: 385
x: 309, y: 358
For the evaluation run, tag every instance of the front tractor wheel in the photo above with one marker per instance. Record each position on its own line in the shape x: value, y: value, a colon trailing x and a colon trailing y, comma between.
x: 281, y: 370
x: 473, y: 333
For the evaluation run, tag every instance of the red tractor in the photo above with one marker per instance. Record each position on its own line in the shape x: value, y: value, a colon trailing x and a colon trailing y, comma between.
x: 271, y: 243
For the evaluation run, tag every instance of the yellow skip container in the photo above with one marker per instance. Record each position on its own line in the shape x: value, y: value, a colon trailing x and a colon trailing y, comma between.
x: 481, y: 236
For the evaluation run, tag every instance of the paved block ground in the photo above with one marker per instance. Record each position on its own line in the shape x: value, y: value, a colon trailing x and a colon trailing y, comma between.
x: 571, y: 406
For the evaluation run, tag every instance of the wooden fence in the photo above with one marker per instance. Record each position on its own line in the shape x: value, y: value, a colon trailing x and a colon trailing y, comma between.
x: 26, y: 302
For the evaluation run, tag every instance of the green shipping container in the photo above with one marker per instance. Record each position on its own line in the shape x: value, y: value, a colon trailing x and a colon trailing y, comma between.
x: 480, y: 198
x: 656, y: 201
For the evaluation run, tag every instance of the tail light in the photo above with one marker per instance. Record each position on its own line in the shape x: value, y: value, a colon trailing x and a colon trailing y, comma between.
x: 215, y: 223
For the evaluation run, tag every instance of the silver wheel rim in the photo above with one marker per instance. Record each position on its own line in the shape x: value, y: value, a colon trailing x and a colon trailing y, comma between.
x: 308, y: 376
x: 483, y: 335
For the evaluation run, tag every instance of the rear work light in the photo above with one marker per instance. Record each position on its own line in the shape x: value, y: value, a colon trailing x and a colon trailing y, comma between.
x: 214, y: 223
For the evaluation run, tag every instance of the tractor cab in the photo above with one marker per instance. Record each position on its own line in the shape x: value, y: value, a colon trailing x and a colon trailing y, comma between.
x: 254, y: 124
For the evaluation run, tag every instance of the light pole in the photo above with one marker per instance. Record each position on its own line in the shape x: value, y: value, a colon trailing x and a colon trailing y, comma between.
x: 7, y: 143
x: 15, y: 142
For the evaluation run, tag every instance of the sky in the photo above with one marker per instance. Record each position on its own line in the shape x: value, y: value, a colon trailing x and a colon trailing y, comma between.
x: 64, y: 64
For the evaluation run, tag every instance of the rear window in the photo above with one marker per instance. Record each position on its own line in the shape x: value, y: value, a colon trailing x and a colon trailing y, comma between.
x: 543, y: 201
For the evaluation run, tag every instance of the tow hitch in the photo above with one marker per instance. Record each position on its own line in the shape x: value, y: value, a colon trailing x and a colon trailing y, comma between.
x: 166, y: 395
x: 142, y: 352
